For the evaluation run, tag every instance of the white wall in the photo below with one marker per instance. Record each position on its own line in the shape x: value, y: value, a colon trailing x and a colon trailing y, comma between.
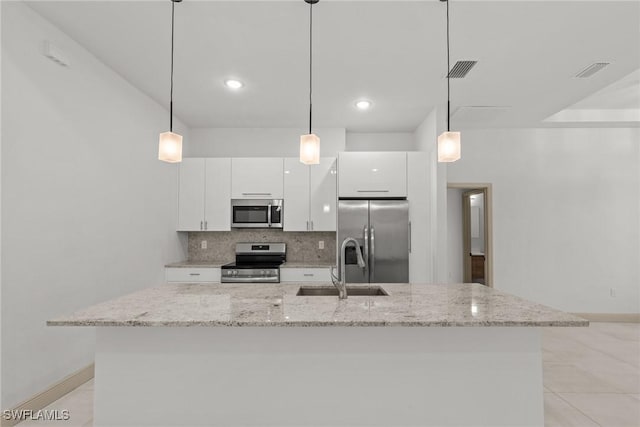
x: 455, y: 242
x: 396, y: 141
x: 565, y: 213
x: 425, y: 138
x: 258, y: 142
x: 88, y: 212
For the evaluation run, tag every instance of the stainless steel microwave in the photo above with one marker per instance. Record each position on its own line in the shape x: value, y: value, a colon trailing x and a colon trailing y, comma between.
x: 246, y: 213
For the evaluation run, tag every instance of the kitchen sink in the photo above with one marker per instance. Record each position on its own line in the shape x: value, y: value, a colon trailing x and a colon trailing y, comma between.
x: 328, y: 291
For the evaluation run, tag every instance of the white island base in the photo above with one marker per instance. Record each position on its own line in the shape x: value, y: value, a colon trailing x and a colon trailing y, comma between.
x: 318, y: 376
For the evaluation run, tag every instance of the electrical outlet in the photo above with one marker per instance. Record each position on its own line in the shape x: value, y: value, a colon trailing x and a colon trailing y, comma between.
x: 203, y: 244
x: 612, y: 292
x: 321, y: 244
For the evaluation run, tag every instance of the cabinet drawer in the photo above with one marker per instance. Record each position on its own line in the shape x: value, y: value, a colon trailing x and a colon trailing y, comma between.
x: 305, y: 275
x: 192, y: 274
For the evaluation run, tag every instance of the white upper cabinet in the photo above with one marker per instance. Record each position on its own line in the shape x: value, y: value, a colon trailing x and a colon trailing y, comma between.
x: 191, y: 195
x: 257, y: 178
x: 296, y: 195
x: 372, y: 174
x: 204, y: 193
x: 323, y: 188
x: 217, y: 211
x: 310, y: 195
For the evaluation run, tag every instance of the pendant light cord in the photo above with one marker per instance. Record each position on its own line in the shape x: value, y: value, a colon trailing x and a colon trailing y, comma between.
x: 173, y: 5
x: 448, y: 75
x: 310, y: 63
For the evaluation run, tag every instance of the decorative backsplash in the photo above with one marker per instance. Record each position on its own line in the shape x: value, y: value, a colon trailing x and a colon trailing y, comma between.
x: 301, y: 246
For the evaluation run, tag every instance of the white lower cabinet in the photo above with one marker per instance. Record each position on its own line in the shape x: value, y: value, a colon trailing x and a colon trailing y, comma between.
x: 305, y: 275
x: 192, y: 274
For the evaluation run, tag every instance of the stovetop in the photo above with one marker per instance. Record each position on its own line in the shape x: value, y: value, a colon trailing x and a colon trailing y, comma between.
x: 256, y: 265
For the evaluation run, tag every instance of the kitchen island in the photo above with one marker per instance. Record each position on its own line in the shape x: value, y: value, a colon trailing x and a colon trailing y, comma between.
x: 257, y: 354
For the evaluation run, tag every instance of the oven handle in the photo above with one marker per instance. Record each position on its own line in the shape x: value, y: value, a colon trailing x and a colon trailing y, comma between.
x: 273, y: 279
x: 269, y: 214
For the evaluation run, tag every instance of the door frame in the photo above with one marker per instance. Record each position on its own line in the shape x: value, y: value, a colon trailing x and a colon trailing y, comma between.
x: 486, y: 188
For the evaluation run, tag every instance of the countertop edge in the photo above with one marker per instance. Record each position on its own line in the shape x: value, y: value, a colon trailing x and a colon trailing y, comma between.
x: 107, y: 323
x: 218, y: 264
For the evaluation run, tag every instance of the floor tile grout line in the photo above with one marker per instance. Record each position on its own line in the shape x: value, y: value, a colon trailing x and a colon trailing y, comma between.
x: 587, y: 416
x: 601, y: 352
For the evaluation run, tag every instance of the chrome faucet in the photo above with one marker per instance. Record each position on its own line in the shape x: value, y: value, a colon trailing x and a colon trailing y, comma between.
x: 340, y: 279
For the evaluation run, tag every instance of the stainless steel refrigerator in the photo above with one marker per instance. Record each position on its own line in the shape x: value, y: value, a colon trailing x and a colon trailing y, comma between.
x: 381, y: 227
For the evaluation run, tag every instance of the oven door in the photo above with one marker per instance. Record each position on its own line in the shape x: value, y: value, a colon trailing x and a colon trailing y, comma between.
x: 256, y: 213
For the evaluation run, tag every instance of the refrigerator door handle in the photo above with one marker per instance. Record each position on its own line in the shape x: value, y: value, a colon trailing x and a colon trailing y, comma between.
x: 409, y: 236
x: 366, y: 246
x: 372, y: 262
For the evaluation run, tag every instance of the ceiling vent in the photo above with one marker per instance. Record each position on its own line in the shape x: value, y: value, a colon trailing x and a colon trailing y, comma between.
x: 461, y: 69
x: 591, y: 70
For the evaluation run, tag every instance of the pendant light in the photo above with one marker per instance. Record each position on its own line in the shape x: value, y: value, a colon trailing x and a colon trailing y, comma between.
x: 170, y: 146
x: 310, y: 143
x: 448, y: 142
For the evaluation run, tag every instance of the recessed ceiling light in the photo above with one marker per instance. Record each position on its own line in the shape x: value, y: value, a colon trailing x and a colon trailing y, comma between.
x: 233, y: 84
x: 363, y: 104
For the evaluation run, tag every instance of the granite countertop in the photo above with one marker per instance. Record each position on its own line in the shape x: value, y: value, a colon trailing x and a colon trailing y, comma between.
x: 307, y: 264
x: 277, y: 305
x: 217, y: 264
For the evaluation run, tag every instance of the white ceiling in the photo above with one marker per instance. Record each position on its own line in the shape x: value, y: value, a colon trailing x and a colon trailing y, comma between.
x: 392, y: 52
x: 618, y: 103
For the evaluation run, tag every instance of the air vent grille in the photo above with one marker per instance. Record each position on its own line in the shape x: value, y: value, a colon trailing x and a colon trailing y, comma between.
x: 461, y: 69
x: 591, y: 70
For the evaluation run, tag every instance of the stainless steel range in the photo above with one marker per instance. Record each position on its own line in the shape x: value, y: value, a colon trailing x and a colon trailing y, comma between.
x: 255, y: 263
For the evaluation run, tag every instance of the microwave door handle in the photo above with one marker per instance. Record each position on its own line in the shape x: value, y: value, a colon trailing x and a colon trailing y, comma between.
x: 269, y: 214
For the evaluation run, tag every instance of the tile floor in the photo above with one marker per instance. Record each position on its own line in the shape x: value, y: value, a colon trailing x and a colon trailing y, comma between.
x: 591, y: 379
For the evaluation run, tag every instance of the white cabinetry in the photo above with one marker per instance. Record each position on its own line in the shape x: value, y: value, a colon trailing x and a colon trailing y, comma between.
x: 174, y: 275
x: 419, y: 223
x: 296, y: 195
x: 257, y: 178
x: 204, y: 193
x: 310, y: 195
x: 323, y: 188
x: 372, y: 174
x: 305, y: 275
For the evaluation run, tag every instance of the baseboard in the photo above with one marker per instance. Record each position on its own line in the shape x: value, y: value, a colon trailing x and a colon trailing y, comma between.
x: 611, y: 317
x: 53, y: 393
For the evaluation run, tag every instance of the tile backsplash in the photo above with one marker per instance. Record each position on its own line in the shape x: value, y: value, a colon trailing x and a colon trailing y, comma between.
x: 301, y: 246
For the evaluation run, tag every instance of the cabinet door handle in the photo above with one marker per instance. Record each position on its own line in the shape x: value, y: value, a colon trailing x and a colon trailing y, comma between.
x: 409, y: 236
x: 256, y: 194
x: 308, y: 274
x: 201, y: 225
x: 311, y: 225
x: 205, y: 225
x: 307, y: 225
x: 373, y: 191
x: 194, y: 274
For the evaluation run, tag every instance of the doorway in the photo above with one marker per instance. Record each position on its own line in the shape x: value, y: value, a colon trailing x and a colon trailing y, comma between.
x: 471, y: 255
